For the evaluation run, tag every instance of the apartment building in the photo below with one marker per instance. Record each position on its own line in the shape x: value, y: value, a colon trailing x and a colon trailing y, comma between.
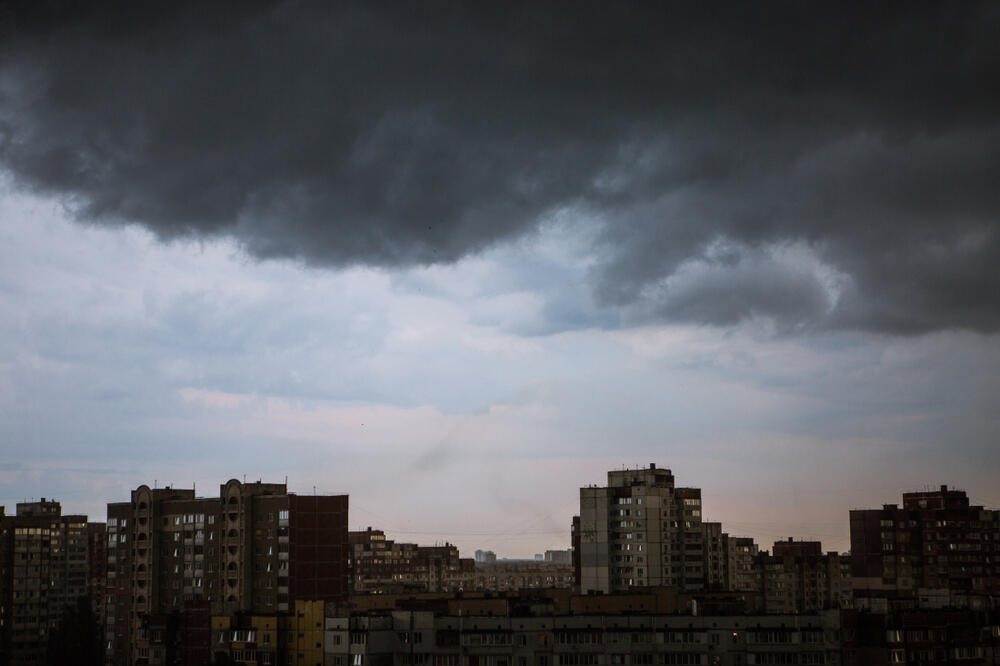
x: 742, y: 574
x: 559, y: 556
x: 97, y: 565
x: 294, y: 638
x: 383, y: 566
x: 715, y: 563
x: 256, y: 548
x: 546, y: 638
x: 798, y: 577
x: 640, y: 530
x: 936, y: 544
x: 44, y: 570
x: 945, y: 637
x: 485, y: 557
x: 513, y: 575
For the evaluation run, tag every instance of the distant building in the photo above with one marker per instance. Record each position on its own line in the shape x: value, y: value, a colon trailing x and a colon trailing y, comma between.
x: 640, y: 530
x: 514, y: 575
x: 559, y: 556
x: 935, y: 550
x: 715, y: 563
x: 742, y: 574
x: 44, y: 570
x: 383, y: 566
x: 256, y: 548
x: 485, y: 556
x: 800, y: 578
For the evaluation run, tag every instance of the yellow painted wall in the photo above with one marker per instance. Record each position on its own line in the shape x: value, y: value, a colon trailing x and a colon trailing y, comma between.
x: 304, y: 646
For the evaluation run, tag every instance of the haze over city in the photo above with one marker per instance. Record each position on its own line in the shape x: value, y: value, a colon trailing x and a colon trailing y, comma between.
x: 460, y: 262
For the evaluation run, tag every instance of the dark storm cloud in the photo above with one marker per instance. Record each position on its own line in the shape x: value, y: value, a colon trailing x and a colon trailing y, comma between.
x: 865, y: 139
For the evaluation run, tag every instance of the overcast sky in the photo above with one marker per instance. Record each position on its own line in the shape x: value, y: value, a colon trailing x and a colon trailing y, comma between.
x: 459, y: 262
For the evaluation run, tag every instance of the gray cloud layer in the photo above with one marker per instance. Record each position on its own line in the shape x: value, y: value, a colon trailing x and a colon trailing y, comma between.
x: 817, y: 166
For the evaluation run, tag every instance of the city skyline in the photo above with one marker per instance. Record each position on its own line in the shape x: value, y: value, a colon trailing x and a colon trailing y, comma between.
x: 458, y: 262
x: 510, y: 544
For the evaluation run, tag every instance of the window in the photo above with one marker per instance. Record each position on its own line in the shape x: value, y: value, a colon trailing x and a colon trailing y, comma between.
x: 283, y: 515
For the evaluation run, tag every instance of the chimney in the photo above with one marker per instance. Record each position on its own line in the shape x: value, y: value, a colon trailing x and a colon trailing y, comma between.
x: 652, y: 465
x: 944, y: 489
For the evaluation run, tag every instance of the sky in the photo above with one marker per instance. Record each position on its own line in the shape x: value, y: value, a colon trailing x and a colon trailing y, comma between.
x: 458, y: 262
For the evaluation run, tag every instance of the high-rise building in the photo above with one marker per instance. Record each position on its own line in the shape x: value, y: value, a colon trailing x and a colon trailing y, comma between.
x: 256, y: 548
x: 715, y: 562
x: 741, y: 568
x: 485, y: 556
x: 640, y: 530
x: 43, y: 572
x: 97, y: 563
x: 800, y: 578
x: 936, y: 545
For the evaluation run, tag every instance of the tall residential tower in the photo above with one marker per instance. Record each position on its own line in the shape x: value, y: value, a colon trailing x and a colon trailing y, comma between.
x: 256, y: 548
x: 640, y: 530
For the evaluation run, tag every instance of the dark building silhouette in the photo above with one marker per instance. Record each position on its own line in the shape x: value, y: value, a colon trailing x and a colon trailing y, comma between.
x: 935, y: 550
x: 44, y: 571
x: 798, y: 577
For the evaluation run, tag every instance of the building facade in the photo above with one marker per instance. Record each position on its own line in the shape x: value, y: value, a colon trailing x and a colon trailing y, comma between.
x: 936, y: 544
x: 383, y: 566
x: 514, y: 575
x: 545, y: 638
x: 798, y: 577
x: 44, y: 571
x: 255, y: 548
x: 742, y: 573
x: 640, y: 530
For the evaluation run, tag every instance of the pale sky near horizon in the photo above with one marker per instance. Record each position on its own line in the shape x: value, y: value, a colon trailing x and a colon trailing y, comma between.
x: 458, y: 263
